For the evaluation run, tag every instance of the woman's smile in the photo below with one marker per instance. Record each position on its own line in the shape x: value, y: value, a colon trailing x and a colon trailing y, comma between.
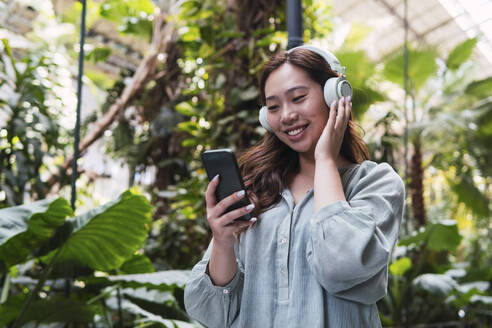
x: 296, y: 133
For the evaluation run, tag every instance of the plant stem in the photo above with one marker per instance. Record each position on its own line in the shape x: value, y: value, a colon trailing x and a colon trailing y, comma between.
x: 5, y: 288
x: 120, y: 312
x: 95, y: 298
x: 37, y: 288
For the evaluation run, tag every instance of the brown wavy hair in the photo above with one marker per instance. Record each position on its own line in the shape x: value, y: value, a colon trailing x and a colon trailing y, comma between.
x: 266, y: 166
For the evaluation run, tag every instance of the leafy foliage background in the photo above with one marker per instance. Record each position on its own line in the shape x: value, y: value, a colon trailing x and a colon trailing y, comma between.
x: 125, y: 262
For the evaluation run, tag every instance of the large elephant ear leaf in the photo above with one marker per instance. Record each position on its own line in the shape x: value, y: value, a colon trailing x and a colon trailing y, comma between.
x: 105, y: 237
x: 25, y: 230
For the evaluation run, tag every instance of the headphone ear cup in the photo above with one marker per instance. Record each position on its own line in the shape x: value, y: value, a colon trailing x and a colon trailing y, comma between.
x: 263, y: 119
x: 336, y: 88
x: 330, y: 91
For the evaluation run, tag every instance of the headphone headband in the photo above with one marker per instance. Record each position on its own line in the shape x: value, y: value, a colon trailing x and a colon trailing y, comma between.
x: 330, y: 58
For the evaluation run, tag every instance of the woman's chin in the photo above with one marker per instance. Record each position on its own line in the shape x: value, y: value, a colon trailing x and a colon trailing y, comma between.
x: 300, y: 148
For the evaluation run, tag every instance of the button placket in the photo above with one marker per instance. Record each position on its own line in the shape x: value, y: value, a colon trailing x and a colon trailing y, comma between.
x: 282, y: 259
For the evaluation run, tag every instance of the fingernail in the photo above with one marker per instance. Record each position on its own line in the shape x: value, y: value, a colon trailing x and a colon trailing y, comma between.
x: 333, y: 103
x: 250, y: 207
x: 215, y: 177
x: 349, y: 98
x: 252, y: 220
x: 240, y: 194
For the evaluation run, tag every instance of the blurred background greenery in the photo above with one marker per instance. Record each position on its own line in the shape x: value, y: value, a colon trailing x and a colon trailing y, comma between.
x: 166, y: 80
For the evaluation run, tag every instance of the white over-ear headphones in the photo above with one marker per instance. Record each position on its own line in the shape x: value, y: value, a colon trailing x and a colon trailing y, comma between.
x: 334, y: 89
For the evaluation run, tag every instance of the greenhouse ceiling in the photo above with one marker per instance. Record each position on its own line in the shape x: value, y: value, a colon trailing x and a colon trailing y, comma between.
x: 444, y: 23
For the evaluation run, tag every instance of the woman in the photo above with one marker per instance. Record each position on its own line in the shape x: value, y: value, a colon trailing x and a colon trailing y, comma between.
x: 328, y: 218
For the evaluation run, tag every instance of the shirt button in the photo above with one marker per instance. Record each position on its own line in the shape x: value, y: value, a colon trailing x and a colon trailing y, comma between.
x: 283, y: 241
x: 226, y: 291
x: 282, y: 270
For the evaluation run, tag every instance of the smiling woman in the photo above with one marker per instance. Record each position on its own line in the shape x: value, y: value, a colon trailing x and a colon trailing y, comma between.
x: 328, y: 217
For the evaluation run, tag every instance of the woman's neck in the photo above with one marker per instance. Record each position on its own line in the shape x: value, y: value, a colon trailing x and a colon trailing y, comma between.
x: 307, y: 165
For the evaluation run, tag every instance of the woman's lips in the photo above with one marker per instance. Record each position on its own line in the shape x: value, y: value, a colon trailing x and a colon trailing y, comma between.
x: 299, y: 133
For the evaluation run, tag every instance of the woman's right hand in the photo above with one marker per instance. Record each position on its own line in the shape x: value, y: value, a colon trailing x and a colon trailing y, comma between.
x: 223, y: 226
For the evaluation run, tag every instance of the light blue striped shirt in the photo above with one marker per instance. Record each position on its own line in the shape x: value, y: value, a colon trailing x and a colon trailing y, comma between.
x: 303, y: 269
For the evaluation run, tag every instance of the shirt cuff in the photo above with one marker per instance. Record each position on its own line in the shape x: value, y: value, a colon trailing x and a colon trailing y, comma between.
x: 227, y: 289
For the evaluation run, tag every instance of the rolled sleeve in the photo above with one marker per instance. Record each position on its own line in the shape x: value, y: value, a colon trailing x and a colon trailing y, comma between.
x: 214, y: 306
x: 351, y: 242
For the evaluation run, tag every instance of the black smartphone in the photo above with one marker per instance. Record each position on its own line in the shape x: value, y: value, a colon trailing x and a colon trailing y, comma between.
x: 223, y: 162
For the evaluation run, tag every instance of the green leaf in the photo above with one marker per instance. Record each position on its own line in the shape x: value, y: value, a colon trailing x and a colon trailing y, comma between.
x: 54, y: 309
x: 359, y: 70
x: 26, y: 230
x: 358, y: 66
x: 117, y: 10
x: 191, y: 33
x: 186, y: 108
x: 148, y: 316
x: 105, y: 237
x: 437, y: 284
x: 484, y: 120
x: 161, y: 280
x: 158, y: 303
x: 363, y: 98
x: 137, y: 264
x: 444, y: 236
x: 436, y: 236
x: 421, y: 66
x: 401, y: 266
x: 461, y: 53
x: 480, y: 89
x: 470, y: 195
x: 98, y: 54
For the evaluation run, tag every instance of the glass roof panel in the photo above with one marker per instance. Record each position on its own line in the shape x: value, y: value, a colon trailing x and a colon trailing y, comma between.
x: 443, y: 23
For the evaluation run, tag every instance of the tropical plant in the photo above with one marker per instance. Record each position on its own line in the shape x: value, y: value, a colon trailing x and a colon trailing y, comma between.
x: 446, y: 116
x: 427, y: 287
x: 30, y: 116
x: 113, y: 281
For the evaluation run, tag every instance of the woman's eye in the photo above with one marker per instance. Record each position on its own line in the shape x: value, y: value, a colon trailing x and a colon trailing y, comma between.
x: 273, y: 107
x: 299, y: 98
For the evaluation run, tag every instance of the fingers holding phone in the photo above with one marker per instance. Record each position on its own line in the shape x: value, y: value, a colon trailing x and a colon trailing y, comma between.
x: 224, y: 224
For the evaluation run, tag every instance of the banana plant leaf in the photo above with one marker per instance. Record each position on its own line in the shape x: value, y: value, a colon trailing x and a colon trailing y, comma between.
x: 107, y: 236
x: 26, y: 230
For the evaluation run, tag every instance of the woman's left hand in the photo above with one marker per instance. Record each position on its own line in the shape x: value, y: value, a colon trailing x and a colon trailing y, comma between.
x: 330, y: 141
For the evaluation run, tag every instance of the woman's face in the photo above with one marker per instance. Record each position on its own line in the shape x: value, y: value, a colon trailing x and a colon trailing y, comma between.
x: 297, y: 112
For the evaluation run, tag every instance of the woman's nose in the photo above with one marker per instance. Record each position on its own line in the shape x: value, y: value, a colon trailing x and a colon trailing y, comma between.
x: 289, y: 115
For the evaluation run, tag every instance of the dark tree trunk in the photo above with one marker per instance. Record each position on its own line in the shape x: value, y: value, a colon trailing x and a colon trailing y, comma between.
x: 415, y: 186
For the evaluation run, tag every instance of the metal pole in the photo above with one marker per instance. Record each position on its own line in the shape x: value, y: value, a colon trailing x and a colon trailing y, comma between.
x: 294, y: 23
x: 405, y: 86
x: 79, y: 101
